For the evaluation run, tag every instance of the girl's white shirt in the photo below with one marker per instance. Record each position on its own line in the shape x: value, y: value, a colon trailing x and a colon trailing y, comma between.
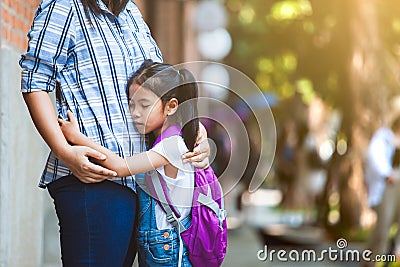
x: 181, y: 187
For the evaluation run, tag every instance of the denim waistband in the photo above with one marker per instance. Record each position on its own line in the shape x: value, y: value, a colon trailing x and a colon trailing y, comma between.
x: 164, y: 235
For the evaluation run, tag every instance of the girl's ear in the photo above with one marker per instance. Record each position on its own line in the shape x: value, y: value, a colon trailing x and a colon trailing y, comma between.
x: 171, y: 107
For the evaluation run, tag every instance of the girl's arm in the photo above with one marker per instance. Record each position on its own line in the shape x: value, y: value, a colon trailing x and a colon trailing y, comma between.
x: 138, y: 163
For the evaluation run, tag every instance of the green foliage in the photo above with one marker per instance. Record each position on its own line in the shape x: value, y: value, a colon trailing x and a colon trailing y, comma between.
x: 280, y: 44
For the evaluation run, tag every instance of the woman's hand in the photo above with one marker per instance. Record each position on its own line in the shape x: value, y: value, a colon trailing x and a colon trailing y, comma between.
x: 199, y: 156
x: 70, y: 128
x: 77, y: 160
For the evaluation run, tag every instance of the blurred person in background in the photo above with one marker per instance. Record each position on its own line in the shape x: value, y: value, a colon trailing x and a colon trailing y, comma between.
x: 383, y: 186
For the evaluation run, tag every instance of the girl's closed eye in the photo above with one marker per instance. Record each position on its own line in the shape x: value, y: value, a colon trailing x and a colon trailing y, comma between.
x: 144, y: 106
x: 132, y: 105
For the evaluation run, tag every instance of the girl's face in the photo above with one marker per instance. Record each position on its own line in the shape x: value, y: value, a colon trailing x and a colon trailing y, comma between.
x: 146, y: 109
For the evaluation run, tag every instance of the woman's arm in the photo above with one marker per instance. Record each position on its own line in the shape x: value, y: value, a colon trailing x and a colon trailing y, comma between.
x: 138, y: 163
x: 47, y: 53
x: 75, y: 158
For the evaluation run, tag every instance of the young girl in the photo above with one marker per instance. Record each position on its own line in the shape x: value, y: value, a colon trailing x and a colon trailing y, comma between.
x: 160, y: 97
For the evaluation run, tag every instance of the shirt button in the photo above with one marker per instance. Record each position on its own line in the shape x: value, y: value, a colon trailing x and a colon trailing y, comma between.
x: 166, y: 247
x: 166, y: 235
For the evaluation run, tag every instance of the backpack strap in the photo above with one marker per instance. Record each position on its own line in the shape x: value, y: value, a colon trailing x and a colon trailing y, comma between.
x: 154, y: 194
x: 160, y: 189
x: 170, y: 131
x: 209, y: 202
x: 163, y: 198
x: 165, y: 201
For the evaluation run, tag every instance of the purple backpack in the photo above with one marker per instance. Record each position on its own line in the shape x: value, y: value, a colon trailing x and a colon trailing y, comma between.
x: 206, y: 238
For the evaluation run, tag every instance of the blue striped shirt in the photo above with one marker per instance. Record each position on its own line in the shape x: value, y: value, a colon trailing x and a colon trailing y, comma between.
x: 87, y: 65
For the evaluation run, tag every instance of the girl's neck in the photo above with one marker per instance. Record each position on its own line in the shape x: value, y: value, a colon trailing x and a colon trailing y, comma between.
x: 158, y: 131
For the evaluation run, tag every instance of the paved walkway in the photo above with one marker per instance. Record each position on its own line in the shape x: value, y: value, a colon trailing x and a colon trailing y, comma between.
x: 244, y: 244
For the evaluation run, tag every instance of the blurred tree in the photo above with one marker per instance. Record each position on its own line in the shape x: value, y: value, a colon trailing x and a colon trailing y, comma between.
x: 345, y: 51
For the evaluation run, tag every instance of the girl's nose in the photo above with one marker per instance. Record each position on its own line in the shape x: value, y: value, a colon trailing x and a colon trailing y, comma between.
x: 134, y: 112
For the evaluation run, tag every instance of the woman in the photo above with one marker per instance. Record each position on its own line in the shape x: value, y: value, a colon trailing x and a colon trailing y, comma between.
x: 85, y: 50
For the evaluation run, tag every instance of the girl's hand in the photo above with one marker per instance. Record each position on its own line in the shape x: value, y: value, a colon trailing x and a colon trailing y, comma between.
x: 70, y: 128
x: 199, y: 156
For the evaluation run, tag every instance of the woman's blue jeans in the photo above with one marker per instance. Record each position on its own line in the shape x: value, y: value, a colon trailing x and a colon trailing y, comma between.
x: 97, y: 222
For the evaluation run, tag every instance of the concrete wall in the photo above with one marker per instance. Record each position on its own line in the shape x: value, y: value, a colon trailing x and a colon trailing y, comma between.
x: 22, y: 156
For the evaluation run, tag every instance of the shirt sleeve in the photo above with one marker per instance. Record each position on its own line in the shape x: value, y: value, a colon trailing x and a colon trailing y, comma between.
x: 50, y: 37
x: 172, y: 148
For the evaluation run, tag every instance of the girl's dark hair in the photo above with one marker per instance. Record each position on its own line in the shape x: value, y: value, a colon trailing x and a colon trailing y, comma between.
x: 167, y: 82
x: 115, y: 6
